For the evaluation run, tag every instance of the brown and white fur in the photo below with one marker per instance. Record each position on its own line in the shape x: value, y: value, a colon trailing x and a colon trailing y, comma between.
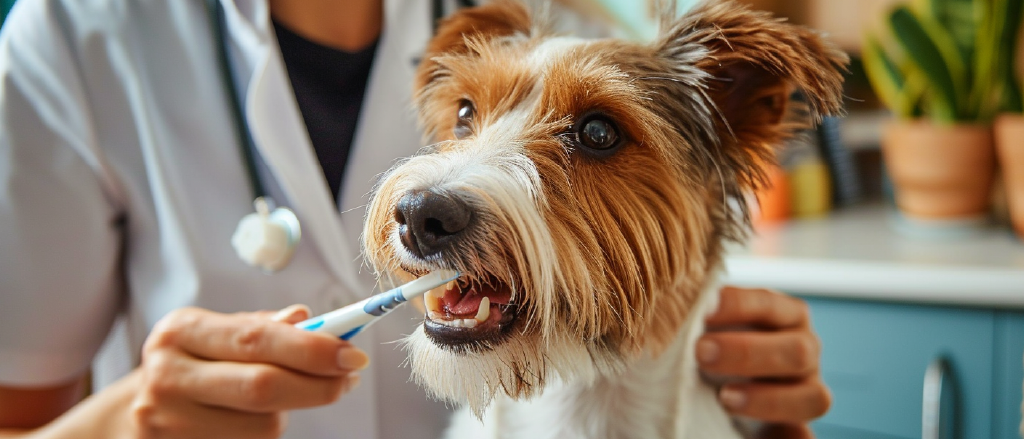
x: 598, y: 245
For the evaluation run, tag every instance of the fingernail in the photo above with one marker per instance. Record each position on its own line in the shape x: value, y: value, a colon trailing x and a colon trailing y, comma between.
x: 732, y: 399
x: 707, y: 351
x: 352, y: 382
x: 352, y: 358
x: 291, y: 313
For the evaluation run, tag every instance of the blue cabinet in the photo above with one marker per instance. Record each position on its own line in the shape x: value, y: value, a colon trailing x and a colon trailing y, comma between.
x: 875, y: 355
x: 1008, y: 374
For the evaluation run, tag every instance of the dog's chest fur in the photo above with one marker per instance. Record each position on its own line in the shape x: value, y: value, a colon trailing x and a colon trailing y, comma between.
x: 661, y: 397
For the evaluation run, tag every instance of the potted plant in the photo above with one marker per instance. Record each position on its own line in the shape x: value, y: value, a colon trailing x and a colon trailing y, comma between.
x: 933, y: 67
x: 1009, y: 126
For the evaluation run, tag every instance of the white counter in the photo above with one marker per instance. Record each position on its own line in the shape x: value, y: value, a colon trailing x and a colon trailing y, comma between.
x: 857, y: 253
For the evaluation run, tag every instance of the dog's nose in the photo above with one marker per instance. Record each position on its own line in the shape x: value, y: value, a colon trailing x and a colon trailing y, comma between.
x: 429, y: 221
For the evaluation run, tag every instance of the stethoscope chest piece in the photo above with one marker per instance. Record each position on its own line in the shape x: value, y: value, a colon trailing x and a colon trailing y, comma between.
x: 267, y: 238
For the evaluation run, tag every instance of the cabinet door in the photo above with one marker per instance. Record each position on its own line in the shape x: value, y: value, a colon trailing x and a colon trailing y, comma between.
x: 874, y: 357
x: 1008, y: 374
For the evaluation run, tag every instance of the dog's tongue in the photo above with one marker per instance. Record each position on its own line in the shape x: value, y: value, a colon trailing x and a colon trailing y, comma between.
x: 467, y: 304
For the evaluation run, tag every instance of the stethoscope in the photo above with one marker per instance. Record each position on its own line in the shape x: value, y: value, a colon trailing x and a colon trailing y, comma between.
x: 267, y: 238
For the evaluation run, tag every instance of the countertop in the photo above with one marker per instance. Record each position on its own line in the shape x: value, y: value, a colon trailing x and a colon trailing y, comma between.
x: 865, y: 252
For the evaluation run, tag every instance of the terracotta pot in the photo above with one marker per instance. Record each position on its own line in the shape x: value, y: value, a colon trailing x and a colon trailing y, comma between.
x: 940, y: 172
x: 1009, y: 132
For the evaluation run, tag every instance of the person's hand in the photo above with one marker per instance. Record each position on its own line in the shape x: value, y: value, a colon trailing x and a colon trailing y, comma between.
x: 210, y: 375
x: 762, y: 343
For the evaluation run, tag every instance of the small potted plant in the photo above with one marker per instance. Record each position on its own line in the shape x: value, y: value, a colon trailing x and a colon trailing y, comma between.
x: 933, y: 67
x: 1009, y: 126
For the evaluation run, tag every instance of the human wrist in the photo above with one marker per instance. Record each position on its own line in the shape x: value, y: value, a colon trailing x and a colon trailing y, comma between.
x: 103, y: 414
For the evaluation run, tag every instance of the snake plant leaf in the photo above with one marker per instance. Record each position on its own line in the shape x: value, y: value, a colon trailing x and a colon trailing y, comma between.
x: 960, y: 18
x: 899, y: 91
x: 984, y: 96
x: 913, y: 93
x: 883, y: 73
x: 933, y: 50
x: 1006, y: 19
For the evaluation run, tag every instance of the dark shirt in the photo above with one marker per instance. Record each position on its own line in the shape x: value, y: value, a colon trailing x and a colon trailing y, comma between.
x: 329, y: 85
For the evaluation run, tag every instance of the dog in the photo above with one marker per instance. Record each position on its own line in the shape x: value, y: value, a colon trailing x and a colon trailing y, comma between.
x: 584, y: 189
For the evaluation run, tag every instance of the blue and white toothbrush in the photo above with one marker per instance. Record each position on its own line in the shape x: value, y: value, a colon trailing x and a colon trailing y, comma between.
x: 348, y: 321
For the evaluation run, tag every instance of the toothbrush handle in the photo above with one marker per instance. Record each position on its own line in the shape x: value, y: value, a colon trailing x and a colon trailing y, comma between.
x: 348, y: 321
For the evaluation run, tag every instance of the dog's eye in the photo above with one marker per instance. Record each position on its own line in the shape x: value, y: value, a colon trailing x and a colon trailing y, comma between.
x: 597, y: 133
x: 464, y: 126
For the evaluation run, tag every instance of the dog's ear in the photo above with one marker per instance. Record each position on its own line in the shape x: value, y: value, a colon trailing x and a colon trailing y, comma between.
x: 752, y: 63
x: 498, y: 18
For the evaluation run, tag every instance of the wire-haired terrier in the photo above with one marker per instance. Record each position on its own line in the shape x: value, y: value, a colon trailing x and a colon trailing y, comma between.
x: 585, y: 189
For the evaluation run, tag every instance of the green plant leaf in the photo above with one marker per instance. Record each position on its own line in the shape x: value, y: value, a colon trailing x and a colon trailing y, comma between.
x: 884, y: 75
x: 960, y: 18
x: 933, y: 50
x: 1006, y: 18
x: 913, y: 93
x: 898, y: 85
x: 984, y: 98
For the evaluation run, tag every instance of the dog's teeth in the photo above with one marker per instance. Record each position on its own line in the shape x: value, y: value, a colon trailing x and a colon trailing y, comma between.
x: 455, y: 323
x: 432, y: 302
x: 485, y: 310
x: 434, y: 315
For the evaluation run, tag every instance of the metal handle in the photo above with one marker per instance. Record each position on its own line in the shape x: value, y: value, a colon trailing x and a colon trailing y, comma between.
x: 938, y: 380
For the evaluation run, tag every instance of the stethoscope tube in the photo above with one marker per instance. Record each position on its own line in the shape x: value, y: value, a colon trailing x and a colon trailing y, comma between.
x: 216, y: 13
x: 266, y: 239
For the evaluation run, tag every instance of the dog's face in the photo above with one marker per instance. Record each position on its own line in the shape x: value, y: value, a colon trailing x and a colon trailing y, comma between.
x: 581, y: 187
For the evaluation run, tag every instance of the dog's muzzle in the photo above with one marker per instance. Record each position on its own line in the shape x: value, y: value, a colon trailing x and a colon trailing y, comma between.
x: 474, y: 312
x: 430, y: 222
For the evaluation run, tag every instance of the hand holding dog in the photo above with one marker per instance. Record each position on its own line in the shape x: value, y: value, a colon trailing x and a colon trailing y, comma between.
x: 777, y: 358
x: 205, y: 374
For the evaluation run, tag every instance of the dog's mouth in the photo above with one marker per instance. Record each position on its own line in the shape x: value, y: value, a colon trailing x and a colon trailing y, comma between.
x: 470, y: 312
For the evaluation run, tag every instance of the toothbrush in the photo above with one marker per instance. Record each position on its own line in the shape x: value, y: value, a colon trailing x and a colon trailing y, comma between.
x: 348, y: 321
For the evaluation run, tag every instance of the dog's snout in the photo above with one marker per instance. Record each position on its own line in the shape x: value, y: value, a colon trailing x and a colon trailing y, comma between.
x: 430, y: 221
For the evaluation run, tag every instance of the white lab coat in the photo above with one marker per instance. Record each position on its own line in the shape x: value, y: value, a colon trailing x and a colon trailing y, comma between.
x: 121, y: 182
